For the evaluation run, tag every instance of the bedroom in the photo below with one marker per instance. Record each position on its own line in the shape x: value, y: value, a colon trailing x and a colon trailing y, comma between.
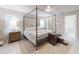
x: 38, y: 21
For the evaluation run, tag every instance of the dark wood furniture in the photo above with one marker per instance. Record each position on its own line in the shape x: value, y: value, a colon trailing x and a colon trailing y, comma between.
x: 54, y: 39
x: 62, y: 41
x: 14, y: 36
x: 41, y: 41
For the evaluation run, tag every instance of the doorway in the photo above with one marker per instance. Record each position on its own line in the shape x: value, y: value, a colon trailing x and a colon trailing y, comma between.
x: 70, y: 27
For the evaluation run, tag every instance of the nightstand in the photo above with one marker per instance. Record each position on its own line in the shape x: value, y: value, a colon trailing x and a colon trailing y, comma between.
x: 56, y: 38
x: 14, y: 36
x: 52, y: 39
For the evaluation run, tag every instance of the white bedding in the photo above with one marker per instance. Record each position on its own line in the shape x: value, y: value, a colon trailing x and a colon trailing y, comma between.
x: 31, y: 34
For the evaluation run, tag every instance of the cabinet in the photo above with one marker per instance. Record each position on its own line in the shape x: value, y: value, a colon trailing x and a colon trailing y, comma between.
x: 52, y: 38
x: 14, y: 36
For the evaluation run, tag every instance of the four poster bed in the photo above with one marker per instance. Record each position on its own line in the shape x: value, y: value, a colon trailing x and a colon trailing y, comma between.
x: 32, y: 31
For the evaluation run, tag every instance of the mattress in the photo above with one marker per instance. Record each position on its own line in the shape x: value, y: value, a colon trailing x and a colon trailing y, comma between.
x: 31, y: 35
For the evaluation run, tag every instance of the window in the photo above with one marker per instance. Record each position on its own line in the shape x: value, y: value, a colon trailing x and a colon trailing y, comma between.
x: 10, y: 23
x: 42, y: 23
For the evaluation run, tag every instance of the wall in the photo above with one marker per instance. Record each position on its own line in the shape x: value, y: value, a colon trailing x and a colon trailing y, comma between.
x: 76, y: 12
x: 3, y: 12
x: 30, y: 21
x: 2, y: 26
x: 51, y: 23
x: 59, y: 23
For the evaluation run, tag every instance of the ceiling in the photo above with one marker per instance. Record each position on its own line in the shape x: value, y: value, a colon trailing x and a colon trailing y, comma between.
x: 28, y: 8
x: 61, y: 8
x: 18, y: 8
x: 40, y: 13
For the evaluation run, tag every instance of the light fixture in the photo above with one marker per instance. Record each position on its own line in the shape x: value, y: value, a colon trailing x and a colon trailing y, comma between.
x: 48, y: 8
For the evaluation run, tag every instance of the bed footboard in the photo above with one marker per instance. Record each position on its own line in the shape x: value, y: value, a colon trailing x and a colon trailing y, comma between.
x: 41, y: 41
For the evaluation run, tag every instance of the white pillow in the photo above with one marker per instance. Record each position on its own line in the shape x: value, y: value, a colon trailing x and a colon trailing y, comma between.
x: 30, y: 28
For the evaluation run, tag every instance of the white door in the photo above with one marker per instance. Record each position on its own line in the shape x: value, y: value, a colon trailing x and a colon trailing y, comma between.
x: 70, y: 27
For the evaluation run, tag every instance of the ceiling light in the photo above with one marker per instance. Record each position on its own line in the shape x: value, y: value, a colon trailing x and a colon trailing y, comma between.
x: 48, y: 8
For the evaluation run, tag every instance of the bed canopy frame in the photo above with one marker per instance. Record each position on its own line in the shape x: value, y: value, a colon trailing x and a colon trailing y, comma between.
x: 36, y: 15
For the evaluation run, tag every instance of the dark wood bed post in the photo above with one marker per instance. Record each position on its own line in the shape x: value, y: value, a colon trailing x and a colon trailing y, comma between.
x: 55, y: 23
x: 36, y: 26
x: 37, y: 23
x: 23, y: 23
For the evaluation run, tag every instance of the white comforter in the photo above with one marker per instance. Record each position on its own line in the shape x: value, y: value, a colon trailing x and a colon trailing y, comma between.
x: 31, y: 34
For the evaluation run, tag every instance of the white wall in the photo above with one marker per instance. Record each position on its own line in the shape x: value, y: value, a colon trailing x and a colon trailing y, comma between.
x: 51, y: 23
x: 3, y: 12
x: 2, y: 26
x: 59, y: 23
x: 60, y: 26
x: 77, y: 24
x: 30, y: 21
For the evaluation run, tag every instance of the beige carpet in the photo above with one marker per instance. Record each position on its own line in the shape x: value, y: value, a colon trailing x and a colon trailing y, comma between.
x: 25, y: 47
x: 50, y: 49
x: 22, y: 46
x: 45, y: 49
